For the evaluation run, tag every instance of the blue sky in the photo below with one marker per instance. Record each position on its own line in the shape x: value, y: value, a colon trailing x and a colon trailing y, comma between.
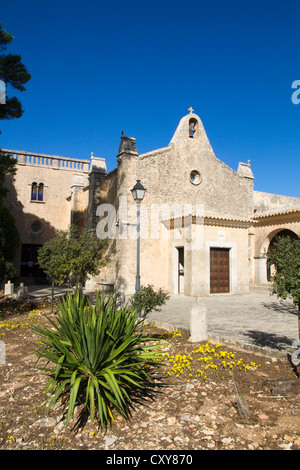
x: 99, y: 67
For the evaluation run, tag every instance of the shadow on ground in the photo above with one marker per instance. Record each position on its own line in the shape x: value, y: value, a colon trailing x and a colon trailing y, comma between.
x: 269, y: 340
x: 281, y: 307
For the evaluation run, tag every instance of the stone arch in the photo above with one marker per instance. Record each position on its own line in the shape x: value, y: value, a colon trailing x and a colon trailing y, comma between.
x: 271, y: 237
x: 262, y: 272
x: 279, y: 233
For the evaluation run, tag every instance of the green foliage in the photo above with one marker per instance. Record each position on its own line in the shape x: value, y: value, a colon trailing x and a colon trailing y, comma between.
x: 285, y: 257
x: 7, y: 170
x: 85, y: 254
x: 147, y: 299
x: 9, y: 242
x: 99, y: 358
x: 71, y: 255
x: 9, y: 236
x: 53, y: 257
x: 14, y: 73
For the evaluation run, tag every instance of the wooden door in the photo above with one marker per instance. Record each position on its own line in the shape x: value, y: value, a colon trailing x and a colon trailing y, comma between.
x: 219, y: 270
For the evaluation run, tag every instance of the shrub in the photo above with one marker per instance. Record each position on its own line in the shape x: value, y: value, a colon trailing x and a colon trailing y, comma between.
x: 99, y: 356
x: 147, y: 299
x: 72, y: 255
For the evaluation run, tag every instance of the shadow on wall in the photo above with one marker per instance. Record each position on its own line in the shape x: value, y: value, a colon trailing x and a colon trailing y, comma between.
x: 34, y: 231
x: 79, y: 218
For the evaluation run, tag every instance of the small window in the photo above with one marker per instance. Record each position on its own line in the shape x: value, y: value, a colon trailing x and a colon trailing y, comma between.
x: 41, y: 192
x: 33, y: 191
x: 37, y: 192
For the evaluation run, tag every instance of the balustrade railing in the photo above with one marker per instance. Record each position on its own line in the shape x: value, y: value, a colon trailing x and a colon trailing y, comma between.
x: 49, y: 161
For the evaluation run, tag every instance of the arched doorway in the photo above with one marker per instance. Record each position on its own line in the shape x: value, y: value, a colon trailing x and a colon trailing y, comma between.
x: 281, y: 233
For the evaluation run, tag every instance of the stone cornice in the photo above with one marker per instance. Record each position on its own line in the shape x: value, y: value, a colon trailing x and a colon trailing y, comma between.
x: 278, y: 212
x: 214, y: 219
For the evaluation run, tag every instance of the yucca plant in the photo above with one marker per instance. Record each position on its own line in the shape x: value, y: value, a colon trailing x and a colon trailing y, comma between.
x: 97, y: 355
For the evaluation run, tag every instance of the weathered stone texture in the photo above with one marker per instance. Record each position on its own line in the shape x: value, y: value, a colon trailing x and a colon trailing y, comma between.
x: 194, y: 206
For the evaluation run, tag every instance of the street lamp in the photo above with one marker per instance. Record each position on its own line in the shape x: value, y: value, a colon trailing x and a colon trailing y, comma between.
x: 138, y: 193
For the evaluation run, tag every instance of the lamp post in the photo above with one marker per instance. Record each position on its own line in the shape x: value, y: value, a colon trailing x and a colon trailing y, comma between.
x: 138, y: 193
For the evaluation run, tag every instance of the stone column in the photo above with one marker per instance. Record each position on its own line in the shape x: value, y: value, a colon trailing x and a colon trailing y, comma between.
x: 21, y: 159
x: 260, y: 271
x: 126, y: 214
x: 79, y: 181
x: 198, y: 321
x: 251, y: 236
x: 96, y: 190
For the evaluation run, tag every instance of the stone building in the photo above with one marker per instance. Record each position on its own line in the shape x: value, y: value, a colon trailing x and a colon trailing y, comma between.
x: 48, y: 193
x: 204, y: 229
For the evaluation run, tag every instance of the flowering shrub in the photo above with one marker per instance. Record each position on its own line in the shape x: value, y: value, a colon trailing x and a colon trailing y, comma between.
x: 10, y: 325
x: 202, y: 359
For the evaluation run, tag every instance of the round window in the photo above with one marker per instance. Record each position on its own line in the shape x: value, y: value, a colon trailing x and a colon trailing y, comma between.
x: 35, y: 227
x: 195, y: 177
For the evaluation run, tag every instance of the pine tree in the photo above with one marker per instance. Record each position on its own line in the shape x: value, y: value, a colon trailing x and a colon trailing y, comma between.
x: 9, y: 236
x: 14, y: 74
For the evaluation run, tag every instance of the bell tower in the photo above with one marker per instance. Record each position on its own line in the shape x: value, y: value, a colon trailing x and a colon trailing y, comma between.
x: 191, y: 130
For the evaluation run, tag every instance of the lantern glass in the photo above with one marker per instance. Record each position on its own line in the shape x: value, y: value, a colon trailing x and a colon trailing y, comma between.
x: 138, y: 191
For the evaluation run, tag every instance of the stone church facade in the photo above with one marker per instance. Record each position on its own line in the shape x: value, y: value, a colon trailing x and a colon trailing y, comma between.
x: 204, y: 229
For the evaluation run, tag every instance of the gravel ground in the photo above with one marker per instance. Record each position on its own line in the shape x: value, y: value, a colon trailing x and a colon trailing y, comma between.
x: 195, y: 409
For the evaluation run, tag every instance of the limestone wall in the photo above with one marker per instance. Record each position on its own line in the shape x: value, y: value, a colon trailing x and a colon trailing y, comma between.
x: 166, y: 173
x: 186, y: 173
x: 64, y: 196
x: 268, y: 202
x: 61, y: 179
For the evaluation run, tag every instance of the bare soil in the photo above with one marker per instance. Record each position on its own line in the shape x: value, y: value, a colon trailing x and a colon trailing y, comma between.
x: 195, y: 409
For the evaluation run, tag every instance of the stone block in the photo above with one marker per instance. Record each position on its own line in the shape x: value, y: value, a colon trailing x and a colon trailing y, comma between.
x: 198, y: 321
x: 22, y: 291
x: 2, y: 352
x: 8, y: 289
